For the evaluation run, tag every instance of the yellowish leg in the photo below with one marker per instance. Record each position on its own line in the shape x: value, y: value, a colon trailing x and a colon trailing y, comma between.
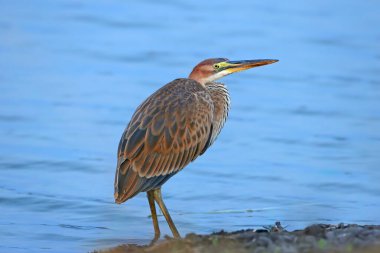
x: 154, y: 216
x: 161, y: 204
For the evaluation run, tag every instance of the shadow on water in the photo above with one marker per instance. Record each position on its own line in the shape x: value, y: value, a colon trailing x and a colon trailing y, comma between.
x: 301, y: 144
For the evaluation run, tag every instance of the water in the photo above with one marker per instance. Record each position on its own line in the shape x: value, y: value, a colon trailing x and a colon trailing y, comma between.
x: 301, y: 145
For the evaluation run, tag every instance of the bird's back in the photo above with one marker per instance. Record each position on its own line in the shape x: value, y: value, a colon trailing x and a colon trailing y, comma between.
x: 168, y: 130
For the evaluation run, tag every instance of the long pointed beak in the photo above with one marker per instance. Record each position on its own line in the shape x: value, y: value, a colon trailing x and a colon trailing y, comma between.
x: 236, y: 66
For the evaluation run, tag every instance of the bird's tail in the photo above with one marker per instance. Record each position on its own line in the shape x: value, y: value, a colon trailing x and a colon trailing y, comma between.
x: 126, y: 182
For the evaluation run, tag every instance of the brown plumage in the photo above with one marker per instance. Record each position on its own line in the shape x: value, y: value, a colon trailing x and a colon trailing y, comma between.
x: 171, y: 128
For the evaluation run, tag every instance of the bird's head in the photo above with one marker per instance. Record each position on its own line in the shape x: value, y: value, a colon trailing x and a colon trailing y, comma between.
x: 215, y: 68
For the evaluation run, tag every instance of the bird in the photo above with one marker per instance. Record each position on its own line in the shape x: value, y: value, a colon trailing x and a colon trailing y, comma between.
x: 170, y: 129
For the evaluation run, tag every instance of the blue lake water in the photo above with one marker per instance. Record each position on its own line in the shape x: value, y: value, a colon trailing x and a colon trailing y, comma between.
x: 302, y: 143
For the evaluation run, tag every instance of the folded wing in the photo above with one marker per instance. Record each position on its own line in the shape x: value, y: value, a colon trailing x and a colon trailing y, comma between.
x: 168, y: 131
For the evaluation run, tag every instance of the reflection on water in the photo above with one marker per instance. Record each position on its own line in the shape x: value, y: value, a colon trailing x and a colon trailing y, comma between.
x: 301, y: 146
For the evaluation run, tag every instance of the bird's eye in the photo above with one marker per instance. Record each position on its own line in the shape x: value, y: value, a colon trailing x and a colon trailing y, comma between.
x: 216, y: 66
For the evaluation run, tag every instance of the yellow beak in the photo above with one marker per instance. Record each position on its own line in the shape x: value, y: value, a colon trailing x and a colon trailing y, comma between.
x: 236, y: 66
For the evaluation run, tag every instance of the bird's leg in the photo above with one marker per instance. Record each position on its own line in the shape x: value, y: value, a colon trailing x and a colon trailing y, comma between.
x: 160, y: 202
x: 152, y: 205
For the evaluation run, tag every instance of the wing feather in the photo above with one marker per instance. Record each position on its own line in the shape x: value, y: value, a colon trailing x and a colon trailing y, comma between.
x: 168, y: 131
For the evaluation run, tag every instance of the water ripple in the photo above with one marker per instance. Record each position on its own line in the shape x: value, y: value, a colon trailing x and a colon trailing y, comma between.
x: 108, y: 22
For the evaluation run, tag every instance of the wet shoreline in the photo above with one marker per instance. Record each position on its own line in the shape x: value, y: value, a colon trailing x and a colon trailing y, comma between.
x: 314, y: 238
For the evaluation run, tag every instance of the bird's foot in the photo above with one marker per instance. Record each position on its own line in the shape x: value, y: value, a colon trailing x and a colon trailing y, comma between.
x: 155, y: 239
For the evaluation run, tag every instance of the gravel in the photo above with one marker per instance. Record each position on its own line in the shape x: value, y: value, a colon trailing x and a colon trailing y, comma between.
x: 274, y: 239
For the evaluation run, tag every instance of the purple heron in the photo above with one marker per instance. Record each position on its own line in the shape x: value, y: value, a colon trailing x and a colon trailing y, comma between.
x: 170, y: 129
